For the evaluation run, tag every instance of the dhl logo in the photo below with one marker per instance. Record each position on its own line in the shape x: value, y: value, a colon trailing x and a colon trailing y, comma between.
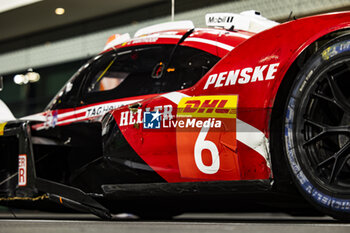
x: 216, y: 106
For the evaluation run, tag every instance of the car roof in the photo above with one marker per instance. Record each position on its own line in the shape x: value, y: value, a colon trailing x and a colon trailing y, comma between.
x: 216, y: 41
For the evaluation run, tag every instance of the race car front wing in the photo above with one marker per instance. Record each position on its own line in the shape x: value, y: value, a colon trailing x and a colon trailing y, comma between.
x: 28, y: 186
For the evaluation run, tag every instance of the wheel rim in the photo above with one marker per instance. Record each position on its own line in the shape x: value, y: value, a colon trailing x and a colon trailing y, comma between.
x: 323, y: 127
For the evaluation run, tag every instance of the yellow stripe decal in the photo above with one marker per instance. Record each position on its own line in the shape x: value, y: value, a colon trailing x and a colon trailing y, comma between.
x: 2, y: 126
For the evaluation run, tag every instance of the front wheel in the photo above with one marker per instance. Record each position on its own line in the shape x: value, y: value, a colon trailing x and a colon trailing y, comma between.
x: 317, y: 129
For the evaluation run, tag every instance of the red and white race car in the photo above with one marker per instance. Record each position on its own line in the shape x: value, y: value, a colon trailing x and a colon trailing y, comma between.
x: 181, y: 118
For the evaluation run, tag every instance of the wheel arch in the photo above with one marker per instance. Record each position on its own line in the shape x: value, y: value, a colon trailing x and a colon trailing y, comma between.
x: 297, y: 61
x: 279, y: 168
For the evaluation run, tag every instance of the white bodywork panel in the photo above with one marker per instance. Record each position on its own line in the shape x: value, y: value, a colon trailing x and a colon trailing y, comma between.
x: 250, y: 21
x: 5, y: 113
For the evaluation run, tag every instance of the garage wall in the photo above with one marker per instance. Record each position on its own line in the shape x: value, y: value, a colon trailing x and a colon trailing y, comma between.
x: 84, y: 46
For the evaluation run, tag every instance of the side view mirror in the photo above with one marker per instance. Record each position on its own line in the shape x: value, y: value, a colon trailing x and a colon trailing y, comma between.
x: 1, y: 83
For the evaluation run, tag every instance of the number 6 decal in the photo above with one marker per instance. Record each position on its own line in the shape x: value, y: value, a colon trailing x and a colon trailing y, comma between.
x: 202, y: 144
x: 206, y: 147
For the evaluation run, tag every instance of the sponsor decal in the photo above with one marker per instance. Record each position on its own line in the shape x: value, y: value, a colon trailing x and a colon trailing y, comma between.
x: 51, y: 119
x: 22, y: 170
x: 208, y: 106
x: 220, y: 19
x: 328, y: 52
x: 2, y: 126
x: 242, y: 76
x: 340, y: 204
x: 192, y: 112
x: 136, y: 117
x: 148, y: 39
x: 208, y: 151
x: 335, y: 49
x: 99, y: 110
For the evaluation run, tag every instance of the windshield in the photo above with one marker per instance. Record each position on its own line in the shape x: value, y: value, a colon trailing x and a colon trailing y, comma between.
x: 134, y: 71
x: 69, y: 85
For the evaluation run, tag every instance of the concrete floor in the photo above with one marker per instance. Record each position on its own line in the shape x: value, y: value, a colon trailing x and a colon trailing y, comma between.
x: 34, y: 221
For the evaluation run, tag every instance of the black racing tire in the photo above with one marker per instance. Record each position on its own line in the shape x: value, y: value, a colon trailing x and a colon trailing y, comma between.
x: 316, y: 129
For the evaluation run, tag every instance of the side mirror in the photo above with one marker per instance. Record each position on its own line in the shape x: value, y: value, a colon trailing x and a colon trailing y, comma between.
x: 1, y: 83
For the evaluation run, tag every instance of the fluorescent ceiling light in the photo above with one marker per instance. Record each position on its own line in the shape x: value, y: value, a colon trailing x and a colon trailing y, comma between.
x: 6, y: 5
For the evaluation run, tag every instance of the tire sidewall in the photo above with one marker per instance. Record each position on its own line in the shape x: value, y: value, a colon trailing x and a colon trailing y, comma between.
x: 324, y: 200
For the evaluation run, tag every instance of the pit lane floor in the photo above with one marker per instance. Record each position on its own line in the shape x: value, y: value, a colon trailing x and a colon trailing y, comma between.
x: 41, y: 222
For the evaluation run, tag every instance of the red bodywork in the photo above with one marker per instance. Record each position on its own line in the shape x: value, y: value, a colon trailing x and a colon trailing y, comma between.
x: 251, y: 74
